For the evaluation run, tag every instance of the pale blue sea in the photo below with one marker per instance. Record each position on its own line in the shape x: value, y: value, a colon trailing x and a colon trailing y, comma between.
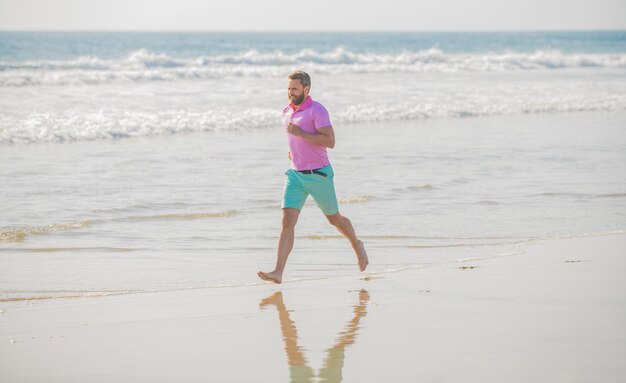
x: 154, y: 161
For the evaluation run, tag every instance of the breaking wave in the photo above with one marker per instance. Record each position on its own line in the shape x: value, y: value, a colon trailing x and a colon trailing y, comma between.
x: 68, y: 126
x: 143, y: 65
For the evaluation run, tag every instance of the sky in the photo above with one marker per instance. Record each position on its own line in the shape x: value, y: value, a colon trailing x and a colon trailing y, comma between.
x: 312, y: 15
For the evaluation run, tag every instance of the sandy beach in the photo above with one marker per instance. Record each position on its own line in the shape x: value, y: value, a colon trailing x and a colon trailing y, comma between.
x: 554, y: 312
x: 142, y: 176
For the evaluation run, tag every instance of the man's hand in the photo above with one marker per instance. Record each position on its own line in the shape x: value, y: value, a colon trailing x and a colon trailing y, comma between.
x: 325, y: 136
x: 294, y: 129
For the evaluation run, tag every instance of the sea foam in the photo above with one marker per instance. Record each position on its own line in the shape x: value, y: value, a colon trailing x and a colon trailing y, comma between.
x: 143, y: 65
x: 72, y: 126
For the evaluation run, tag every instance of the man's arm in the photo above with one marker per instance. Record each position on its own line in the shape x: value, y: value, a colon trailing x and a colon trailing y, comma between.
x: 325, y: 136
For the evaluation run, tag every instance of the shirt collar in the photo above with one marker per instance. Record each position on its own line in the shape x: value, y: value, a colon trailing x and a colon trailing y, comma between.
x: 305, y: 104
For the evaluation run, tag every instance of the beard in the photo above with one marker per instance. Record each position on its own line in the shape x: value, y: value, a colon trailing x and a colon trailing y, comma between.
x: 297, y: 100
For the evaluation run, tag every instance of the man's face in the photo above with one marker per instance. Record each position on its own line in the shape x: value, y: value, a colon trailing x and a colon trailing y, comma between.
x: 296, y: 92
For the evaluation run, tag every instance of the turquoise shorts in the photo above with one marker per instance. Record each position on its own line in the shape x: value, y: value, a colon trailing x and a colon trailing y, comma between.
x: 298, y: 186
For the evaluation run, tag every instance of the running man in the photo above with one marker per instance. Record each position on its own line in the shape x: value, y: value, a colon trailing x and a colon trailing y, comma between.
x: 309, y: 133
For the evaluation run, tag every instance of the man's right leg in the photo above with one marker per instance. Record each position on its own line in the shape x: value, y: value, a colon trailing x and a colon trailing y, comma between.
x: 285, y: 244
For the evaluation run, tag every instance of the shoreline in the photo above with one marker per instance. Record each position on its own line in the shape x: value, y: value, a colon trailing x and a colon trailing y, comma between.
x: 47, y: 296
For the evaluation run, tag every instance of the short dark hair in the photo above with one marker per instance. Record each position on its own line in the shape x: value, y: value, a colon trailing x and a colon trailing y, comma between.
x: 304, y: 78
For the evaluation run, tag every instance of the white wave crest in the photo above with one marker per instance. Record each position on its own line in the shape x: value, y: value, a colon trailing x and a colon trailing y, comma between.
x: 143, y: 65
x: 67, y: 126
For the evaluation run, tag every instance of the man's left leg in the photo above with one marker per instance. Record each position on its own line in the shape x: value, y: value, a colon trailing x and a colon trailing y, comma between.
x: 344, y: 226
x: 322, y: 189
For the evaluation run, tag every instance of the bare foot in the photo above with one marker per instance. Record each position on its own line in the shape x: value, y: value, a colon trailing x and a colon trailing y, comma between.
x: 273, y: 276
x: 362, y: 256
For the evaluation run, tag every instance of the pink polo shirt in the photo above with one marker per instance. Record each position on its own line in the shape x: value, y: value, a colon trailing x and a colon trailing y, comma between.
x: 309, y: 117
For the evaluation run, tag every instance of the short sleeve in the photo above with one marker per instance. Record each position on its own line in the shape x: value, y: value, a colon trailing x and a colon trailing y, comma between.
x: 321, y: 119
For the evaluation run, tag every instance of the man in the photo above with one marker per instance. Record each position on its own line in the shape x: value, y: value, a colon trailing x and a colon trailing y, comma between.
x: 309, y: 133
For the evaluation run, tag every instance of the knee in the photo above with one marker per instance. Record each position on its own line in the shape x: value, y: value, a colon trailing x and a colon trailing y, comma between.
x: 289, y: 222
x: 335, y: 219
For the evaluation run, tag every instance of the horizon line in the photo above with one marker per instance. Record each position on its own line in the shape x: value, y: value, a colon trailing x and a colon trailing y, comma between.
x: 309, y: 31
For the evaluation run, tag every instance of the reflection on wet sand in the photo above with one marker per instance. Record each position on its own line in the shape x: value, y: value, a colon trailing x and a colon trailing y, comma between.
x: 332, y: 369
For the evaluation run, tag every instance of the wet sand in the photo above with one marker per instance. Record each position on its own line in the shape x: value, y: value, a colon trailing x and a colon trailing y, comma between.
x: 556, y: 312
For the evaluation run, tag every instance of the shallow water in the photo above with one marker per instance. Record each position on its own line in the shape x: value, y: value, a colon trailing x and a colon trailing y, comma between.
x: 203, y: 209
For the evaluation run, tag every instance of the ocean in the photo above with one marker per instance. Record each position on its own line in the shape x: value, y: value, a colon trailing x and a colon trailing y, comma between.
x: 133, y: 162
